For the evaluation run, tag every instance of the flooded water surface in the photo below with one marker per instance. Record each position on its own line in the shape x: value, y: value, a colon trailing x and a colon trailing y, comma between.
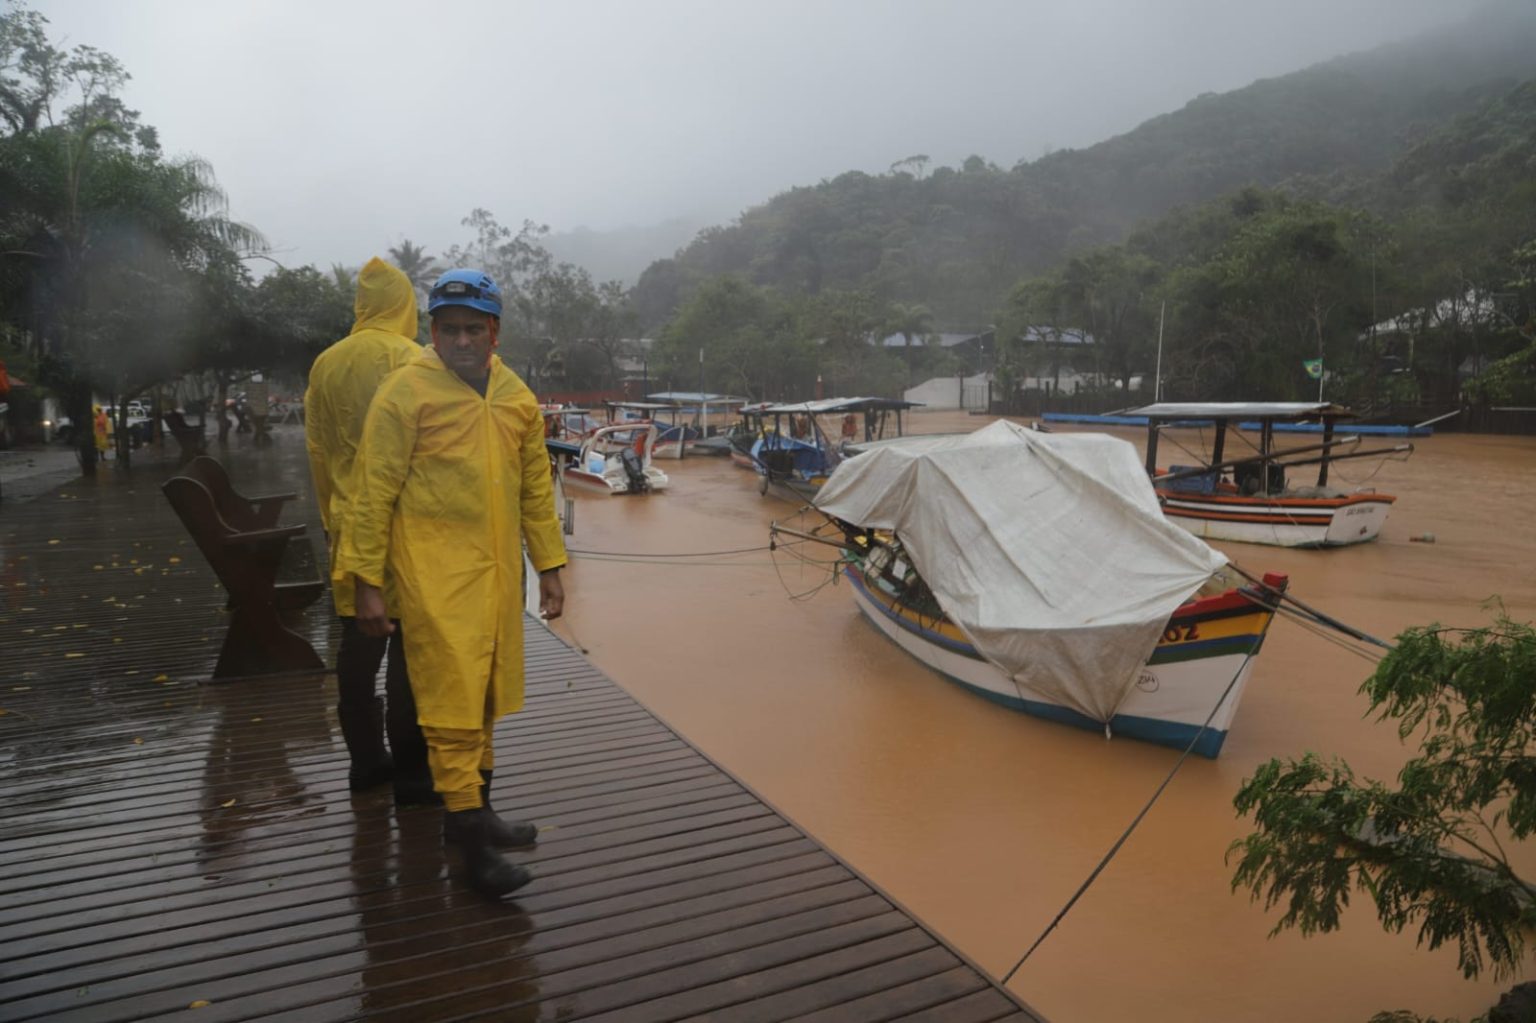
x: 983, y: 821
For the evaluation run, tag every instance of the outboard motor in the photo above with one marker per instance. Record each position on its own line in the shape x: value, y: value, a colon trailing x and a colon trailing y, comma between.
x: 634, y: 471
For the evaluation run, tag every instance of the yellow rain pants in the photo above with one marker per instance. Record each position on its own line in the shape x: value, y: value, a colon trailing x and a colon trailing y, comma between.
x: 447, y: 486
x: 343, y: 381
x: 457, y: 756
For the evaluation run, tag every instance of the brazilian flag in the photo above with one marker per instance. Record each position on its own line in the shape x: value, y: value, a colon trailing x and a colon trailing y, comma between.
x: 1314, y: 368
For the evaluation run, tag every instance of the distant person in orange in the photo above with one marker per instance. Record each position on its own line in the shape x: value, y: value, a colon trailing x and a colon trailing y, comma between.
x: 850, y: 427
x: 102, y: 427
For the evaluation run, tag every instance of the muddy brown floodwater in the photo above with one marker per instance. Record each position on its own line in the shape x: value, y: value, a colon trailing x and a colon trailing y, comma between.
x: 983, y: 821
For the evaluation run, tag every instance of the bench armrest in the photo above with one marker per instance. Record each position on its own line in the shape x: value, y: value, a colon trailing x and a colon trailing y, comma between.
x: 263, y: 535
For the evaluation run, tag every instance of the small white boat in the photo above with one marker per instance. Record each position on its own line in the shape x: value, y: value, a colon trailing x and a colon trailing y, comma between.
x: 1038, y: 571
x: 611, y: 460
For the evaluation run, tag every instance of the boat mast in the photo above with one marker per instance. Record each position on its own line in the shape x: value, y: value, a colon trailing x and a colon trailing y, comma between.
x: 1322, y: 463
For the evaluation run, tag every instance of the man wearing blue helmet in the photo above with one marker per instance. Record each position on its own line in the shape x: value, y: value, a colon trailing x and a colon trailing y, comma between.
x: 452, y: 478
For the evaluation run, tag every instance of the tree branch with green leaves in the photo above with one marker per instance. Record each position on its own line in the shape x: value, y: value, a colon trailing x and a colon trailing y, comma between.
x: 1433, y: 851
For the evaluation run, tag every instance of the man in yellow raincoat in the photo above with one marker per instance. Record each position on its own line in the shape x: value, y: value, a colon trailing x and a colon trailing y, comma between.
x: 452, y: 477
x: 341, y: 384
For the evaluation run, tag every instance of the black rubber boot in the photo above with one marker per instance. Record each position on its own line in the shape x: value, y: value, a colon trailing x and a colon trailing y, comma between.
x: 485, y: 869
x: 504, y: 834
x: 362, y: 728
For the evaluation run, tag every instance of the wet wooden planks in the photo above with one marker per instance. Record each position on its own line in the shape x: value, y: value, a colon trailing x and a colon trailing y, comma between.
x: 165, y: 843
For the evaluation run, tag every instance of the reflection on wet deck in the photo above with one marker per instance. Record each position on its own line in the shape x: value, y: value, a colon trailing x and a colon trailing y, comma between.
x: 166, y: 843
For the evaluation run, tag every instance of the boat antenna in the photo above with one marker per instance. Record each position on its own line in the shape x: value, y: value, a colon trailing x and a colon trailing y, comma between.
x: 1157, y: 384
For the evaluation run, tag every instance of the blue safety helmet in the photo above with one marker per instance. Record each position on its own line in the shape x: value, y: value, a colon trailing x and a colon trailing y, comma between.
x: 472, y: 288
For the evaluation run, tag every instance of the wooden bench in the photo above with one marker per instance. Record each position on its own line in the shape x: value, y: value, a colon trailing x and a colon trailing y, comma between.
x: 191, y: 438
x: 244, y: 513
x: 248, y: 562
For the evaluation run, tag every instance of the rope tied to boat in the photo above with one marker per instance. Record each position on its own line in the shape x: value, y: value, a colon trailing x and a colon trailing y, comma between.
x: 1157, y: 794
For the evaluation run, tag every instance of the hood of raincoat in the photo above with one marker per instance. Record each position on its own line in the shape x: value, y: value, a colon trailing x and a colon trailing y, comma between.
x: 385, y: 300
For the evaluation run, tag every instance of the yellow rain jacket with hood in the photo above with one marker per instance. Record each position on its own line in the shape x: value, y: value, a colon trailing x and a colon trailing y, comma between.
x: 343, y: 381
x: 448, y: 484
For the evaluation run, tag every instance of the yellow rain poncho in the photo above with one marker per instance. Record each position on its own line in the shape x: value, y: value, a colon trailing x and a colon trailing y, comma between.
x: 341, y: 384
x: 447, y: 484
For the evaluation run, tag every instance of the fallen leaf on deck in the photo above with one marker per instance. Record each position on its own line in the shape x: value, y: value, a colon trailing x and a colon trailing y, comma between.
x: 254, y: 720
x: 137, y: 741
x: 227, y: 803
x: 167, y: 678
x: 21, y: 689
x: 52, y: 542
x: 201, y: 1003
x: 74, y: 655
x: 174, y: 560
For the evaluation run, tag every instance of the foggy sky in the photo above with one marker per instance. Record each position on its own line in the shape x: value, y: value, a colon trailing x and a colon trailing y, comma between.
x: 339, y: 127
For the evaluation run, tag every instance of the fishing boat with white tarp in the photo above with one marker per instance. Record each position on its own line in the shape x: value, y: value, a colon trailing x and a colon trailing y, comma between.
x: 1039, y: 571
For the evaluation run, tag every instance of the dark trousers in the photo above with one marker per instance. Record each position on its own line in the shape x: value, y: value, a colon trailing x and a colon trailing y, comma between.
x: 357, y: 670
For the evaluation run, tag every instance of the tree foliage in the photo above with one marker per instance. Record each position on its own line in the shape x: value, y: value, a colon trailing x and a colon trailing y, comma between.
x: 1433, y: 851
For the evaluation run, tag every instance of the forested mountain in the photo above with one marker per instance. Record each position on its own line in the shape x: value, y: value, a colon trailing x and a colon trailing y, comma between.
x: 957, y: 240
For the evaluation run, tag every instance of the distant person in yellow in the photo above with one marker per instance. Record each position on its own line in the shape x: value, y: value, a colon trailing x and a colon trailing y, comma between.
x: 342, y: 382
x: 452, y: 477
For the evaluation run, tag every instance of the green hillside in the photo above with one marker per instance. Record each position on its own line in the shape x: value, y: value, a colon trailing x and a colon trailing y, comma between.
x: 957, y: 240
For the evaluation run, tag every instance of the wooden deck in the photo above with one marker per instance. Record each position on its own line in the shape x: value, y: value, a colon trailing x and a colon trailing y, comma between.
x: 168, y: 843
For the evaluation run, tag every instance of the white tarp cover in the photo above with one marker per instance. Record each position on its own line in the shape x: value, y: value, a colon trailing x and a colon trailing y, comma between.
x: 1048, y: 550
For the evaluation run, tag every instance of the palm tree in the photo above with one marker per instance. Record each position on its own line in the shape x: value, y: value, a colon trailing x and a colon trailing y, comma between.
x: 344, y: 279
x: 101, y: 240
x: 414, y: 262
x: 910, y: 321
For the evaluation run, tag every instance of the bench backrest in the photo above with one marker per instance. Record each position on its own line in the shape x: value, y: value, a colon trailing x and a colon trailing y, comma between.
x: 234, y: 507
x: 195, y: 506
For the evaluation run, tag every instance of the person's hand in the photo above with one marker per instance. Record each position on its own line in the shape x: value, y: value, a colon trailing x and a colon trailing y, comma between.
x: 551, y: 594
x: 372, y: 616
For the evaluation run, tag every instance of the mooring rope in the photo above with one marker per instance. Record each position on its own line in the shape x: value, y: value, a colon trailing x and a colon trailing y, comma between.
x: 1126, y: 834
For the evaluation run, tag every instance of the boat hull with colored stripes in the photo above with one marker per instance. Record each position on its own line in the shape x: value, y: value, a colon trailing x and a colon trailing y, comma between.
x: 1207, y: 647
x: 1279, y: 521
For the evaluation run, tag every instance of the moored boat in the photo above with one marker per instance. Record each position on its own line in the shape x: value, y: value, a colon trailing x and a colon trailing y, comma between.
x: 795, y: 455
x: 1250, y: 498
x: 1037, y: 570
x: 610, y: 460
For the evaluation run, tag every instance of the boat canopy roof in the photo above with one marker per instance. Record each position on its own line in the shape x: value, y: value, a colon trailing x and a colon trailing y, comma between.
x: 695, y: 398
x: 1286, y: 410
x: 826, y: 406
x: 644, y: 406
x: 1049, y: 551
